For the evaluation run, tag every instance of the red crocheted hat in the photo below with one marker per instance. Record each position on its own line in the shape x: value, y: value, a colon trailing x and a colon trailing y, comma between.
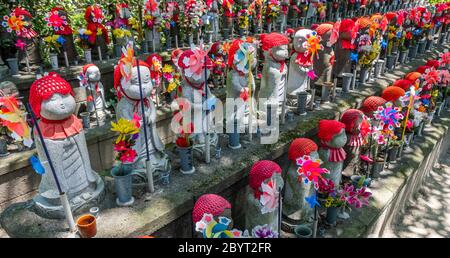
x: 346, y: 25
x: 328, y: 129
x: 261, y: 171
x: 413, y: 76
x: 370, y: 104
x: 301, y: 147
x: 390, y: 16
x: 392, y: 93
x: 273, y: 39
x: 314, y: 26
x: 21, y: 11
x: 44, y: 88
x: 422, y: 69
x: 118, y: 77
x: 433, y: 63
x: 349, y: 118
x: 324, y: 28
x: 232, y: 51
x: 209, y: 203
x: 85, y: 67
x: 364, y: 22
x: 403, y: 83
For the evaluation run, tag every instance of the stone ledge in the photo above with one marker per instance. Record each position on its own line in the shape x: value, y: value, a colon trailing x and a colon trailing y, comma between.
x: 176, y: 200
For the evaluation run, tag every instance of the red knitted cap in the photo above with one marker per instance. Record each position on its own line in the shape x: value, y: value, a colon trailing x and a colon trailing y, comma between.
x: 433, y: 63
x: 21, y: 11
x: 422, y: 69
x: 44, y: 88
x: 346, y: 25
x: 314, y: 26
x: 328, y: 129
x: 85, y: 67
x: 209, y: 203
x: 261, y: 171
x: 413, y: 76
x: 390, y: 16
x: 364, y: 22
x: 370, y: 104
x: 349, y: 118
x: 232, y: 51
x: 118, y: 76
x: 301, y: 147
x: 392, y: 93
x: 273, y: 39
x: 403, y: 83
x: 324, y: 28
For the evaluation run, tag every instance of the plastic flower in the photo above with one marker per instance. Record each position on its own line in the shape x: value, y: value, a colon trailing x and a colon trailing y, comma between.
x: 360, y: 197
x: 326, y: 186
x: 14, y: 119
x: 21, y: 44
x: 128, y: 156
x: 264, y: 231
x: 431, y: 76
x: 269, y: 197
x: 444, y: 58
x: 310, y: 170
x: 124, y: 127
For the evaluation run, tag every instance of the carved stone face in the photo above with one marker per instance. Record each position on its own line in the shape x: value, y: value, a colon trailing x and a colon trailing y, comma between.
x: 339, y: 140
x: 280, y: 53
x: 326, y: 37
x: 314, y: 155
x: 300, y: 40
x: 93, y: 74
x: 131, y: 88
x: 58, y: 107
x: 277, y: 178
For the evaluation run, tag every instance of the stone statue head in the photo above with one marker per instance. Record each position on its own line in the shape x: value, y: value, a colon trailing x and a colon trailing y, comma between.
x: 332, y: 133
x: 130, y: 88
x: 51, y: 97
x: 301, y: 147
x: 92, y: 73
x: 213, y: 204
x: 275, y: 46
x: 352, y: 118
x: 265, y: 171
x: 300, y: 40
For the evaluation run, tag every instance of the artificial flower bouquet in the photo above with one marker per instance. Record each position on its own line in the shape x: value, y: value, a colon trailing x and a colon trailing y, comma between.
x: 54, y: 43
x: 128, y: 133
x: 172, y: 77
x: 348, y: 197
x: 122, y: 35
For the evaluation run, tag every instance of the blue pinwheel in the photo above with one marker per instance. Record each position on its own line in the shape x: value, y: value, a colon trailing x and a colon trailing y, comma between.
x: 312, y: 201
x: 383, y: 44
x: 36, y: 164
x: 61, y: 40
x: 354, y: 56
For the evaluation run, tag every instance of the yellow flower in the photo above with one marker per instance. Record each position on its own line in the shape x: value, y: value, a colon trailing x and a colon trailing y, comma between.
x: 99, y: 32
x: 172, y: 85
x: 124, y: 127
x: 167, y: 68
x: 328, y: 202
x: 88, y: 32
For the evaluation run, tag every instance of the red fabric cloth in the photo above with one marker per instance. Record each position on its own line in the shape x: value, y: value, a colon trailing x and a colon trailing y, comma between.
x: 336, y: 154
x: 328, y: 129
x: 209, y: 203
x: 392, y: 93
x: 273, y: 39
x: 301, y: 147
x: 261, y: 171
x: 58, y: 130
x: 43, y: 88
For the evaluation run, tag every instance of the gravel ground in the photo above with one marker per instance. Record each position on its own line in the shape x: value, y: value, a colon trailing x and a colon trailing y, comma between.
x: 429, y: 215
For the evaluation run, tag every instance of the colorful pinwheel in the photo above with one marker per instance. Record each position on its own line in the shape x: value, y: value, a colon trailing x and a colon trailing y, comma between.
x: 126, y: 62
x: 269, y: 197
x: 213, y: 229
x: 13, y: 118
x: 310, y: 171
x: 313, y: 44
x: 389, y: 116
x: 312, y: 201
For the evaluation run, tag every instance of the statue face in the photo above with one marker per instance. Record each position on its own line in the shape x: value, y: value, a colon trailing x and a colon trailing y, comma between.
x: 314, y: 155
x: 300, y: 40
x: 280, y: 53
x: 277, y: 178
x: 93, y: 74
x: 131, y: 88
x: 58, y: 107
x: 326, y: 37
x: 338, y: 140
